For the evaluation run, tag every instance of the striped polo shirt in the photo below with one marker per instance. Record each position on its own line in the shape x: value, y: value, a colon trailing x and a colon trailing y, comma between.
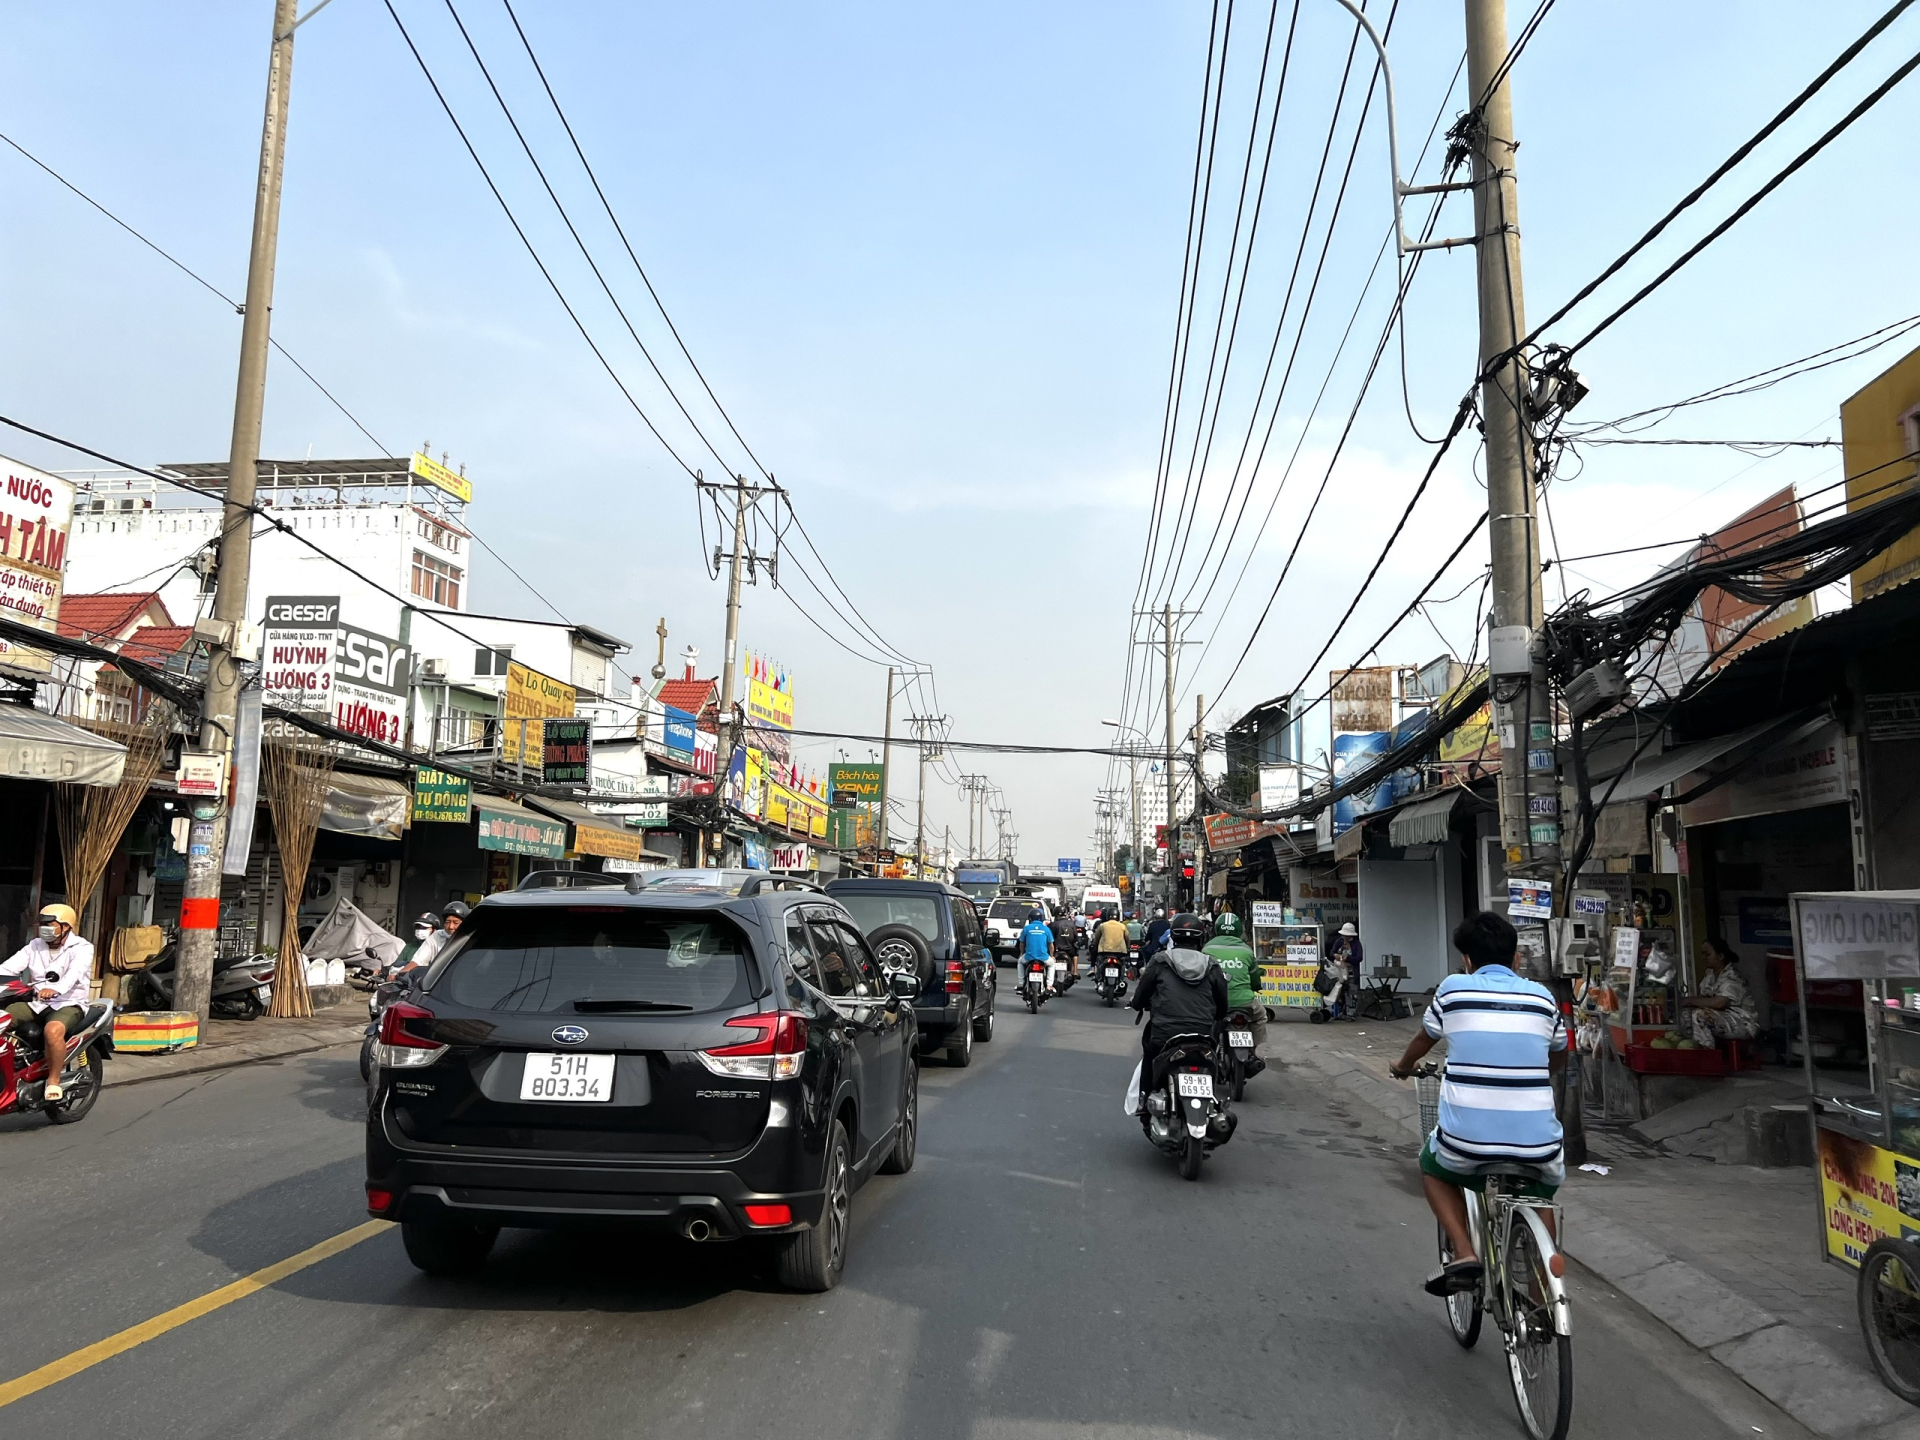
x: 1496, y: 1097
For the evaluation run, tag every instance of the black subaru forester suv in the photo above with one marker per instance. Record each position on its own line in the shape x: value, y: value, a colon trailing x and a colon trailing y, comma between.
x: 716, y: 1061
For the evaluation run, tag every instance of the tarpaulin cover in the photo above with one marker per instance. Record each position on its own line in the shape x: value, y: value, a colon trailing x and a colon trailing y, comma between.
x: 34, y: 746
x: 366, y: 805
x: 347, y: 932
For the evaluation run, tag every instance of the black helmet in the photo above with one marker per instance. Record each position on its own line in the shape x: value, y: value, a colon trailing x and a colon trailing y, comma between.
x: 1036, y: 917
x: 453, y: 908
x: 1188, y: 927
x: 427, y: 918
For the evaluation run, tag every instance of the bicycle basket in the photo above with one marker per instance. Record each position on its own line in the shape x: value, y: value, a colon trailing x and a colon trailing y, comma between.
x: 1427, y: 1088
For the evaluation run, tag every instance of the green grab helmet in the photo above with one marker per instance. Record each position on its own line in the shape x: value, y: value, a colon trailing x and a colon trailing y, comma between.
x: 1226, y: 923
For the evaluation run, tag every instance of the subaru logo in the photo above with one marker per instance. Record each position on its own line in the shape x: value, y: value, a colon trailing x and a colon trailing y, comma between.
x: 570, y: 1034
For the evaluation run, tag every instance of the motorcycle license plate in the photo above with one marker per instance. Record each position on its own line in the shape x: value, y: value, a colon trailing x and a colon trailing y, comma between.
x: 567, y: 1077
x: 1191, y: 1084
x: 1240, y: 1039
x: 264, y: 992
x: 1112, y: 972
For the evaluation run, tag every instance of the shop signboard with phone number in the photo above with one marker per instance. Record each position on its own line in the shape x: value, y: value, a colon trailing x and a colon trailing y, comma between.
x: 1866, y: 1194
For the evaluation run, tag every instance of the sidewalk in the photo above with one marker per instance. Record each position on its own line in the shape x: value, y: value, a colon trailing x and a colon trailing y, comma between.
x: 237, y: 1042
x: 1726, y: 1256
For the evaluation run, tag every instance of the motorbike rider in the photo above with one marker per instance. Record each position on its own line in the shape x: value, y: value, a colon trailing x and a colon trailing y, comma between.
x: 424, y: 929
x: 1242, y: 969
x: 1109, y: 939
x: 1154, y: 939
x: 1184, y: 990
x: 452, y: 915
x: 1036, y: 942
x: 59, y: 964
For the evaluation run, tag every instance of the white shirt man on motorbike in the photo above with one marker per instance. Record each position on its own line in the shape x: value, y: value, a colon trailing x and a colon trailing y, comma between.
x: 59, y: 965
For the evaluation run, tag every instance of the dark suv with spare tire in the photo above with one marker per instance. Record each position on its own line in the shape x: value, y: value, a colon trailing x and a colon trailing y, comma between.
x: 718, y: 1062
x: 934, y: 931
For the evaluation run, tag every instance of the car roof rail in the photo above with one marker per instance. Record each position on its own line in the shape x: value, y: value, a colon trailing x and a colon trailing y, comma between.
x: 759, y: 883
x: 567, y: 879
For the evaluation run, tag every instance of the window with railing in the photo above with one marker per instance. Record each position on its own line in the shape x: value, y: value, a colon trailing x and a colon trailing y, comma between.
x: 434, y: 579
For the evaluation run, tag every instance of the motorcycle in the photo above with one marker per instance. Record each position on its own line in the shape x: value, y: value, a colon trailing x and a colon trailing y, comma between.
x: 23, y: 1064
x: 1181, y: 1110
x: 1235, y: 1053
x: 1133, y: 959
x: 1034, y: 988
x: 242, y: 985
x: 384, y: 993
x: 1110, y: 983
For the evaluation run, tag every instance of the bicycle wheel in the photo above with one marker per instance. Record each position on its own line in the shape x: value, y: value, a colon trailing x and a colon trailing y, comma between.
x: 1539, y: 1362
x: 1464, y: 1310
x: 1889, y: 1301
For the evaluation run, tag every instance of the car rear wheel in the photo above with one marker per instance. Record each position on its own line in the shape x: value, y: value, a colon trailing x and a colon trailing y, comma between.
x: 983, y: 1024
x: 907, y: 1139
x: 813, y: 1260
x: 960, y: 1046
x: 447, y: 1247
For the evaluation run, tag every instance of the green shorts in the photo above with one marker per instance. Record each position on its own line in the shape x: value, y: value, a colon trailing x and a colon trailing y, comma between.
x: 1533, y: 1189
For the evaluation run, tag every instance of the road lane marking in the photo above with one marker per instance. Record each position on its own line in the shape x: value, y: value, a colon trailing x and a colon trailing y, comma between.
x: 1043, y: 1179
x: 53, y: 1372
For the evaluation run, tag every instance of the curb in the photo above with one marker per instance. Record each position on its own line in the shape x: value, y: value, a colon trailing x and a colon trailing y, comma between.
x: 1830, y: 1395
x: 216, y: 1060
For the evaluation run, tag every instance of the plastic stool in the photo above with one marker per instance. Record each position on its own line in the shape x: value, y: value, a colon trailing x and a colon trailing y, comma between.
x: 1741, y: 1054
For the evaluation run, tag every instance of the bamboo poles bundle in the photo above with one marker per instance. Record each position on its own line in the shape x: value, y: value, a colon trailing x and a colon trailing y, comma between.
x: 92, y: 818
x: 296, y: 771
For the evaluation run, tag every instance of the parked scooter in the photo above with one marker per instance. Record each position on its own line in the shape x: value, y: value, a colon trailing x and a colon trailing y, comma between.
x: 1110, y: 984
x: 242, y: 984
x: 23, y: 1063
x: 1235, y: 1053
x: 1181, y: 1109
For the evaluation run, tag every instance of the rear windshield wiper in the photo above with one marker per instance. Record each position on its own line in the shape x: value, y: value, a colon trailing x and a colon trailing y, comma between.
x: 593, y: 1006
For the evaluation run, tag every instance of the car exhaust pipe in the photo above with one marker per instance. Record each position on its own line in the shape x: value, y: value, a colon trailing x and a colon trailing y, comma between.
x: 697, y: 1230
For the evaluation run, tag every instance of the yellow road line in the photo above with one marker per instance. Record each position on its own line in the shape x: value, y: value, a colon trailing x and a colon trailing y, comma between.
x: 53, y: 1372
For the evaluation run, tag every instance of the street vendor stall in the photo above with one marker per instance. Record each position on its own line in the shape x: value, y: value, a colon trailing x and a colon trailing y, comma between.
x: 1866, y: 1123
x: 1289, y: 958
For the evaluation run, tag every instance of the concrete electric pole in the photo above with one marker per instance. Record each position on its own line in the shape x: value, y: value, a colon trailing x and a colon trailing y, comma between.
x: 1524, y: 707
x: 206, y: 847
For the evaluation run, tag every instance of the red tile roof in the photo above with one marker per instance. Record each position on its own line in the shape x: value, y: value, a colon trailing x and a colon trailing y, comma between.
x: 156, y: 644
x: 107, y: 616
x: 693, y: 696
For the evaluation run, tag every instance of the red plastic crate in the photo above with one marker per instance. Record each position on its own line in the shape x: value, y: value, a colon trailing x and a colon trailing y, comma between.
x: 1646, y: 1060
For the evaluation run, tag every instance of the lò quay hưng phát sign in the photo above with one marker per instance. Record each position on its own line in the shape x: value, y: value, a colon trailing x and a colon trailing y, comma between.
x: 528, y: 699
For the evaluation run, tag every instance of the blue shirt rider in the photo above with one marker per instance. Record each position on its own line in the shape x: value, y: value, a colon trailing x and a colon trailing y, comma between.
x: 1036, y: 939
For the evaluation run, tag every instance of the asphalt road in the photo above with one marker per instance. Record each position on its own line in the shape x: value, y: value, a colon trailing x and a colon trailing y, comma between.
x: 1042, y: 1274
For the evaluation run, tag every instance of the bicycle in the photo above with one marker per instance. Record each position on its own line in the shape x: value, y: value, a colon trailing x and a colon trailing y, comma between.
x: 1521, y: 1284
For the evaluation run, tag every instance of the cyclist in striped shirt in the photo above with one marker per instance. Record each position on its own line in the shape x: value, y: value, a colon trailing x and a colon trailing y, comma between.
x: 1505, y: 1037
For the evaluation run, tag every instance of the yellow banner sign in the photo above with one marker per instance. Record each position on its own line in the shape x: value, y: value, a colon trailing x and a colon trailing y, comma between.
x: 423, y: 467
x: 1289, y: 986
x: 611, y: 844
x: 1861, y: 1194
x: 530, y: 696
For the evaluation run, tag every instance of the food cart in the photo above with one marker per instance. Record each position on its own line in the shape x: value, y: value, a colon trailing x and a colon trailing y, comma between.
x: 1866, y: 1122
x: 1288, y: 955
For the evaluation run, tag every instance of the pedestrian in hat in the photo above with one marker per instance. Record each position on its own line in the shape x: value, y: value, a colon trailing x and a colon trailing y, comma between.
x: 1347, y: 956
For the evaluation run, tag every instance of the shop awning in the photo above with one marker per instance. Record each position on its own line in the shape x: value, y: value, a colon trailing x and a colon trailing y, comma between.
x: 368, y: 805
x: 34, y: 746
x: 594, y: 834
x: 1651, y: 774
x: 1425, y: 822
x: 515, y: 830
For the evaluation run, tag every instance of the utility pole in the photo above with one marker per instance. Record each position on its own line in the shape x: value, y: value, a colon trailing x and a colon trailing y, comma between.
x: 1513, y: 528
x: 921, y: 724
x: 207, y: 844
x: 886, y: 760
x: 745, y: 564
x: 1173, y: 782
x: 1199, y: 807
x: 1523, y: 704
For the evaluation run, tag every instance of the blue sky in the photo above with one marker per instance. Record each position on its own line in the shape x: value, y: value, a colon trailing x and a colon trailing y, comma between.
x: 928, y: 257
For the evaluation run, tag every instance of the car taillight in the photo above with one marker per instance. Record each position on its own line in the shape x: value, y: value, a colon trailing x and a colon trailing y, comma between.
x: 402, y: 1048
x: 956, y: 977
x: 775, y: 1053
x: 379, y: 1201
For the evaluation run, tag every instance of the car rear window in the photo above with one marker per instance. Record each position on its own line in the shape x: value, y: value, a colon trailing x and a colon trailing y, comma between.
x: 1011, y: 910
x: 871, y: 911
x: 590, y: 959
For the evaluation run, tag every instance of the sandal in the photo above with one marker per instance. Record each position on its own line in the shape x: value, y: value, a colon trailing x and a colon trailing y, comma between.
x: 1456, y: 1277
x: 54, y: 1093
